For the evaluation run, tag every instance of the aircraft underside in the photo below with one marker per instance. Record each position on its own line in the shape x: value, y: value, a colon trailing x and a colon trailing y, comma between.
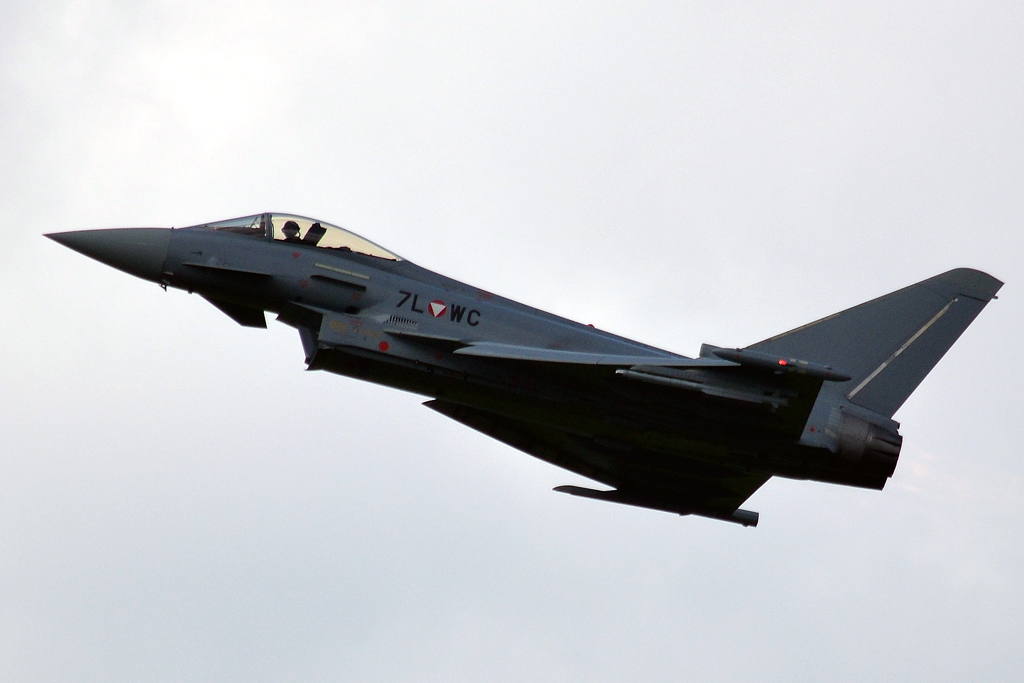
x: 684, y: 454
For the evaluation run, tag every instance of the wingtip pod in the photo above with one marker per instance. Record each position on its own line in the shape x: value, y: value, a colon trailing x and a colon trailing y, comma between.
x: 745, y: 517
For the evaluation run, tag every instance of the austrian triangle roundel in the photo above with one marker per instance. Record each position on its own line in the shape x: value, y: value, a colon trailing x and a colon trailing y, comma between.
x: 437, y: 308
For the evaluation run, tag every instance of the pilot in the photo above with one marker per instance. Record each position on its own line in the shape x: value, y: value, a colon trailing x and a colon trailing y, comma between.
x: 291, y: 232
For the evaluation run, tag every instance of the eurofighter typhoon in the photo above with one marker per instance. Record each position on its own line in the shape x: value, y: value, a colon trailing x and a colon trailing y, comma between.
x: 693, y: 436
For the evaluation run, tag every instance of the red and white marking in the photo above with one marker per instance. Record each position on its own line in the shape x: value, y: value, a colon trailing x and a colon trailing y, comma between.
x: 437, y: 308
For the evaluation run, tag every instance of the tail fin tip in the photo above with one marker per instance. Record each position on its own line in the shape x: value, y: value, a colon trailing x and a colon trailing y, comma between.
x: 889, y: 344
x: 973, y: 283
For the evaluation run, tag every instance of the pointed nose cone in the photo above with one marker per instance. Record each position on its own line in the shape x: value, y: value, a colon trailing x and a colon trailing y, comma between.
x: 139, y: 251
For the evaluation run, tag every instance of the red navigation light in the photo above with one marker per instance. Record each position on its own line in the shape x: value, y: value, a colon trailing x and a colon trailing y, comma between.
x: 782, y: 362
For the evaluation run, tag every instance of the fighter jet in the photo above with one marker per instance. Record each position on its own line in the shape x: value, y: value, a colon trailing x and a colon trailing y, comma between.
x: 692, y: 436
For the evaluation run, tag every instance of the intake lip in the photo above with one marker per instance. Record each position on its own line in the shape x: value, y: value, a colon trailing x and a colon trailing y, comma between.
x: 139, y: 251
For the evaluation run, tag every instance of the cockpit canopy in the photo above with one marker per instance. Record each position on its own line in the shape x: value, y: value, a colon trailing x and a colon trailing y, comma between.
x: 285, y: 227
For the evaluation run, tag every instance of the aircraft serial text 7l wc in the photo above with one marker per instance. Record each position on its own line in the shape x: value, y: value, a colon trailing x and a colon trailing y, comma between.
x: 685, y: 435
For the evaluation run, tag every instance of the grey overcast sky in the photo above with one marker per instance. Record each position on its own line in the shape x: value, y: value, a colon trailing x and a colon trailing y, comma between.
x: 179, y: 500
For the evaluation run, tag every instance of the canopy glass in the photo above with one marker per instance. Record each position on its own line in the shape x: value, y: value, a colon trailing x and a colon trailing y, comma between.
x: 299, y: 230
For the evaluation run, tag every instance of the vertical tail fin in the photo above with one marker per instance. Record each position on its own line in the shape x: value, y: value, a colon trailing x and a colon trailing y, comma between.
x: 888, y: 345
